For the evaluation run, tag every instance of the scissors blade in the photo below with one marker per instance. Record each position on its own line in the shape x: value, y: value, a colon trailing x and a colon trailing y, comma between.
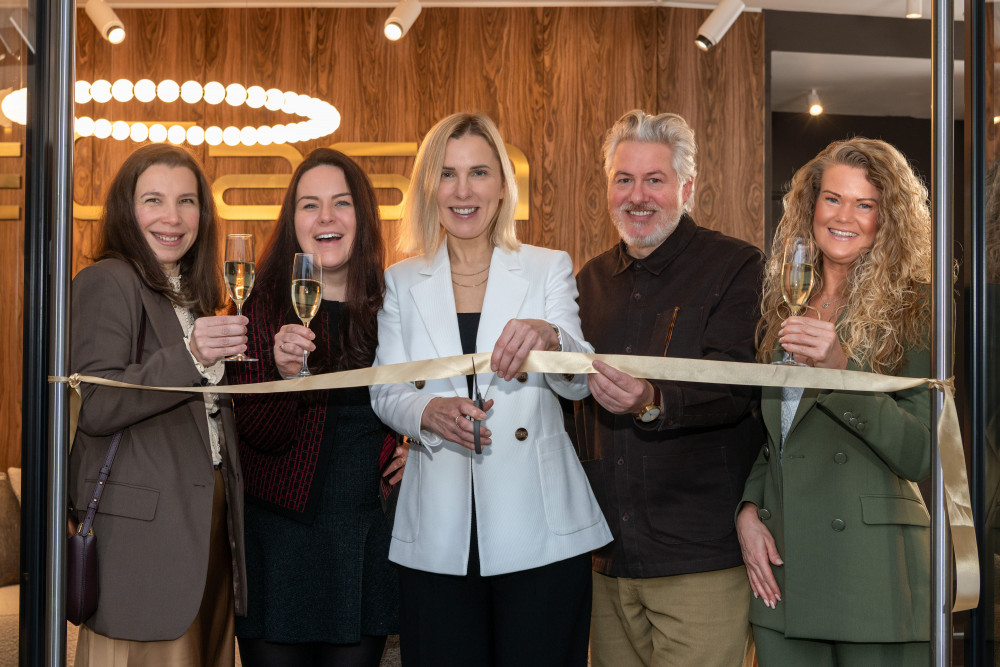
x: 476, y: 424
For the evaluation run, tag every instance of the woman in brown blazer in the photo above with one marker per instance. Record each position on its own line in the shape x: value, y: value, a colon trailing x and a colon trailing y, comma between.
x: 170, y: 522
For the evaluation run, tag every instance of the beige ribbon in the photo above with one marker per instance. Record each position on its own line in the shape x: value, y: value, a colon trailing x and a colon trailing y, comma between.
x: 952, y: 454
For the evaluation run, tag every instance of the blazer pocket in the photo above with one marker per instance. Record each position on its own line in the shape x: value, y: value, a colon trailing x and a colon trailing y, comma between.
x: 569, y: 503
x: 406, y: 523
x: 895, y: 510
x: 125, y: 500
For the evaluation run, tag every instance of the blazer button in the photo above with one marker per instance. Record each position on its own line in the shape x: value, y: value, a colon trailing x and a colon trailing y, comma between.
x: 767, y: 453
x: 861, y: 426
x: 521, y: 434
x: 568, y: 377
x: 840, y: 457
x: 419, y: 384
x: 853, y: 421
x: 763, y: 514
x: 848, y: 415
x: 522, y: 377
x: 838, y: 525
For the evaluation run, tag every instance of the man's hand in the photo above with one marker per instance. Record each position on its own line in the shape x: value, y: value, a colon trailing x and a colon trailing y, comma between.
x: 618, y: 393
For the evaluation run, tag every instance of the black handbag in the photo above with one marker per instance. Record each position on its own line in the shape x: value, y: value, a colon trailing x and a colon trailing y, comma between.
x: 82, y: 589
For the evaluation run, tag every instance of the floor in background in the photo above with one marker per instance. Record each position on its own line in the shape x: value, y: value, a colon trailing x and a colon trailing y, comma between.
x: 391, y: 656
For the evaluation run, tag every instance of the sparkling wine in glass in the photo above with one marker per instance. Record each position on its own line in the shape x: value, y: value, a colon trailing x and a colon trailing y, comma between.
x: 238, y: 270
x: 796, y: 282
x: 307, y: 293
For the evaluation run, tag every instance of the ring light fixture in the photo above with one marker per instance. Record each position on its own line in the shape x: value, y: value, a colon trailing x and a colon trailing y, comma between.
x: 322, y: 118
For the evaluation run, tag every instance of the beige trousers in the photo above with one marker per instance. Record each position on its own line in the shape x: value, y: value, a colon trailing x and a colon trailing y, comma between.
x: 677, y: 621
x: 208, y: 642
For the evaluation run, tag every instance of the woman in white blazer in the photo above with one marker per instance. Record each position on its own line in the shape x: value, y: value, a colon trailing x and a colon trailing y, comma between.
x: 494, y: 547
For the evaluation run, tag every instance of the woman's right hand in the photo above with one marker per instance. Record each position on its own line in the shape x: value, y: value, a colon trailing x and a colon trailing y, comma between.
x: 812, y: 341
x: 759, y: 553
x: 450, y: 419
x: 289, y: 344
x: 218, y: 336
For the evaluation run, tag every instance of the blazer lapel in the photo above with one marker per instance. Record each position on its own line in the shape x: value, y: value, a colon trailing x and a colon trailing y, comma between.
x: 505, y: 293
x: 435, y: 302
x: 806, y: 404
x: 164, y: 326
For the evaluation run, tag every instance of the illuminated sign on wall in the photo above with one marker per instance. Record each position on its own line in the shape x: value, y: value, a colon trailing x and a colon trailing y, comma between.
x: 234, y: 182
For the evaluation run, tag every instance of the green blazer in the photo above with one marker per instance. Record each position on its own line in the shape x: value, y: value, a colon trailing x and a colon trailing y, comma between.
x: 845, y: 512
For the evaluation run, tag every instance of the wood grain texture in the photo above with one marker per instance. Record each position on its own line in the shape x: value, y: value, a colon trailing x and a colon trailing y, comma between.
x: 555, y: 79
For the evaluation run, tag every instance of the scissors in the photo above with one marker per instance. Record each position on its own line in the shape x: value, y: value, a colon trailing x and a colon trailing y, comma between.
x: 476, y: 424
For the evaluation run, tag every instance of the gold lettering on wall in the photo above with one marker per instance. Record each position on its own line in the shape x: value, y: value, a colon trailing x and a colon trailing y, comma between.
x: 520, y: 163
x: 10, y: 181
x: 252, y: 181
x: 383, y: 181
x: 267, y: 212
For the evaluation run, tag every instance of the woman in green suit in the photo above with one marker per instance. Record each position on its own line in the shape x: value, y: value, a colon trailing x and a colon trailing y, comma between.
x: 834, y: 532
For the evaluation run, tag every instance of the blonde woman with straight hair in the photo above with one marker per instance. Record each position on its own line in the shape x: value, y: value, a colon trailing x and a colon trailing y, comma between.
x: 494, y: 538
x: 833, y: 529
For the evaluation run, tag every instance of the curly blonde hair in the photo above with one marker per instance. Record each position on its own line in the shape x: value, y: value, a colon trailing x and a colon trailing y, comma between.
x: 993, y: 223
x: 886, y: 295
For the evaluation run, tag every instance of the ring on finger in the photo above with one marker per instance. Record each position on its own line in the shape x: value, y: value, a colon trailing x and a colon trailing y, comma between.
x: 456, y: 421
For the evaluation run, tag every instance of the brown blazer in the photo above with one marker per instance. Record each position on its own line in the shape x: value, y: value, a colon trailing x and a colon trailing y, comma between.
x: 155, y: 515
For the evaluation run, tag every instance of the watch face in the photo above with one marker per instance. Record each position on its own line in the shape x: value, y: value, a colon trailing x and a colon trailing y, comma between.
x: 650, y: 414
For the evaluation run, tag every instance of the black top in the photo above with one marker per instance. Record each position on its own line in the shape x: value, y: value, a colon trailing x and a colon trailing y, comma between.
x: 669, y: 489
x: 348, y: 395
x: 468, y: 328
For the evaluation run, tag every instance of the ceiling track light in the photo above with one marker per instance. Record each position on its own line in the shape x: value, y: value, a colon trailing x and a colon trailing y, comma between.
x: 402, y: 17
x: 106, y: 21
x: 717, y: 23
x: 914, y: 9
x: 815, y: 105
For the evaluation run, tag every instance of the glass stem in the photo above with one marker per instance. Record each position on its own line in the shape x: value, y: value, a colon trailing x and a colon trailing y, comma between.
x: 305, y: 368
x: 788, y: 357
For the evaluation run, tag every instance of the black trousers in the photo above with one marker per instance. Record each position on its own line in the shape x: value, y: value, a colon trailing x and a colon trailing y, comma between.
x: 533, y: 617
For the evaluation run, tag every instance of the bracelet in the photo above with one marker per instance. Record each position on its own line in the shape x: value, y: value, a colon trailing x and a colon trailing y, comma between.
x: 558, y: 337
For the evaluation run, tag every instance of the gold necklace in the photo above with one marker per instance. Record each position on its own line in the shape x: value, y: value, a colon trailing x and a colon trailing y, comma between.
x: 473, y: 285
x: 476, y: 273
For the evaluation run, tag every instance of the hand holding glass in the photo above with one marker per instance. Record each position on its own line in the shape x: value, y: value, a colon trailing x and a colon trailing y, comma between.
x: 238, y: 270
x: 796, y: 282
x: 307, y: 293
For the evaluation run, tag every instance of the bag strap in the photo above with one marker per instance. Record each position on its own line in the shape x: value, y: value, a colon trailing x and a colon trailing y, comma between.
x: 86, y: 528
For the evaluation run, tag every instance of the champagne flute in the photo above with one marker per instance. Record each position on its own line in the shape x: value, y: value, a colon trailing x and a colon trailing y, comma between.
x: 796, y: 282
x: 307, y: 293
x: 238, y: 270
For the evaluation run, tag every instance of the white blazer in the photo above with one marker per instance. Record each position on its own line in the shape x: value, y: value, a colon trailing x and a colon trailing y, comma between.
x: 534, y: 505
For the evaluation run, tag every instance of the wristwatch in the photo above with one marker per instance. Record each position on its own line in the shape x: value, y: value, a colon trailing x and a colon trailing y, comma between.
x: 558, y: 337
x: 650, y: 412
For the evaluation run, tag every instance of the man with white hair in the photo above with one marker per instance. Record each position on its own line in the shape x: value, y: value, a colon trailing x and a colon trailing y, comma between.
x: 667, y: 460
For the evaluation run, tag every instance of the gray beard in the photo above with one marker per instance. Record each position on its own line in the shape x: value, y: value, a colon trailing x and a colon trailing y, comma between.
x: 652, y: 240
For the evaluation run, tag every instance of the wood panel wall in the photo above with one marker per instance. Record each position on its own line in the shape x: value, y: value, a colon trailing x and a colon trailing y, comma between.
x: 555, y: 79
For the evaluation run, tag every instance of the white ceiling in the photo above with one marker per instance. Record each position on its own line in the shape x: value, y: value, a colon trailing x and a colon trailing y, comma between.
x: 850, y: 85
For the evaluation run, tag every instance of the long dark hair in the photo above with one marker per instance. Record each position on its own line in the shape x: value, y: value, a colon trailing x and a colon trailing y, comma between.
x: 120, y: 237
x: 358, y: 335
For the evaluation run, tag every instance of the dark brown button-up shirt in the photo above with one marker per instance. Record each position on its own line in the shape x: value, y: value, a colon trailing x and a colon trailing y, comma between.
x: 669, y: 489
